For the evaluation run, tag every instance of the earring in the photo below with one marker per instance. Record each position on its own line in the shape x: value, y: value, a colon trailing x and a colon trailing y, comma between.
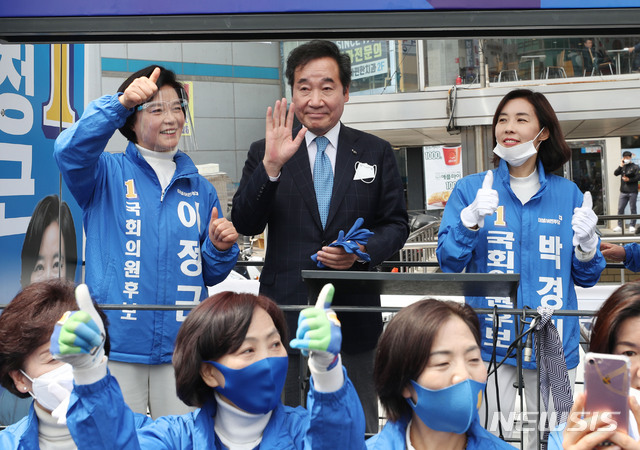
x: 24, y: 388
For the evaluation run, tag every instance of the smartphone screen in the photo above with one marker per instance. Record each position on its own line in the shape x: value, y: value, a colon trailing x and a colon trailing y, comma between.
x: 606, y: 383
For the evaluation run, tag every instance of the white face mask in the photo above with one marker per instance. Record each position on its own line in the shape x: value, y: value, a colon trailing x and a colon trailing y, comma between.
x: 53, y: 389
x: 518, y: 154
x: 627, y: 161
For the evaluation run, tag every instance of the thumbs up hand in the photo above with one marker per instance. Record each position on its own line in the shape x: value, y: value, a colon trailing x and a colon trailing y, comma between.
x: 78, y: 337
x: 485, y: 204
x: 584, y: 222
x: 319, y: 335
x: 140, y: 90
x: 222, y: 233
x: 319, y: 331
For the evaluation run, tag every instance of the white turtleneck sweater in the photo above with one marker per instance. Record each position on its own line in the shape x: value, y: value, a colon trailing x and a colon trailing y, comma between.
x: 52, y: 436
x: 237, y: 429
x: 162, y: 163
x: 525, y: 187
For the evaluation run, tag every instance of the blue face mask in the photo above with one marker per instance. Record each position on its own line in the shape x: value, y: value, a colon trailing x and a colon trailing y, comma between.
x: 256, y: 388
x: 451, y: 409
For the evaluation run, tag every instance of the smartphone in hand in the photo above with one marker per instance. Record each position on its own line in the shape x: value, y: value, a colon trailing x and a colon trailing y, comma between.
x: 606, y: 383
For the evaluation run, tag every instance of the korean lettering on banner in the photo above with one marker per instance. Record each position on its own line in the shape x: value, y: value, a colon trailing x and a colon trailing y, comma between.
x: 16, y: 119
x: 551, y: 292
x: 368, y: 58
x: 37, y: 85
x: 500, y: 259
x: 190, y: 255
x: 133, y: 232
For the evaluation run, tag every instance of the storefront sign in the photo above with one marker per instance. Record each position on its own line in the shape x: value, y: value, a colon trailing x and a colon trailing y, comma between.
x: 442, y: 169
x: 368, y: 58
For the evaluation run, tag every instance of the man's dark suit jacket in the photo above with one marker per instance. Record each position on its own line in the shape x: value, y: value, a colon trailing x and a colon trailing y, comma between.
x: 294, y: 233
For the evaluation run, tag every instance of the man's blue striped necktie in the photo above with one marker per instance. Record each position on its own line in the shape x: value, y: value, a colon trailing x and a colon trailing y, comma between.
x: 323, y: 179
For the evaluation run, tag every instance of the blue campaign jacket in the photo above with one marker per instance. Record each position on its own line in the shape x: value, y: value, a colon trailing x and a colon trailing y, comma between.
x: 556, y: 438
x: 534, y: 240
x: 393, y: 437
x: 23, y: 435
x: 99, y: 418
x: 143, y: 246
x: 632, y: 257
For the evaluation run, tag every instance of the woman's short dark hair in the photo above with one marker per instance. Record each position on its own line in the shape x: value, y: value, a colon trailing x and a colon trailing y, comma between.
x: 553, y: 151
x: 28, y: 321
x: 167, y: 78
x: 405, y: 345
x: 215, y: 327
x: 302, y: 55
x: 623, y: 304
x: 49, y: 210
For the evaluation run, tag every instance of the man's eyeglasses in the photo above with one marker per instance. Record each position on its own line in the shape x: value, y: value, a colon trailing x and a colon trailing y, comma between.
x: 157, y: 108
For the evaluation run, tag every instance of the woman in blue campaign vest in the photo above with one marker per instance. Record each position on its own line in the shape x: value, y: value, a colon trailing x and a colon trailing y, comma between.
x: 155, y: 234
x: 231, y: 363
x: 521, y: 218
x: 429, y: 377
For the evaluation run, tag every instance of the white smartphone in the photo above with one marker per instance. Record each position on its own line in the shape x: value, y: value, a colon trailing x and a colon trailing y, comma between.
x: 606, y: 384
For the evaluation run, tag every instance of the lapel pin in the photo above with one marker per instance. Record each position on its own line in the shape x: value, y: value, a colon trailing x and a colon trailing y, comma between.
x: 354, y: 152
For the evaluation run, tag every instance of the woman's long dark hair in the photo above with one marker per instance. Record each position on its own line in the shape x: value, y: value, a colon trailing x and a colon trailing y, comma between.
x: 553, y: 151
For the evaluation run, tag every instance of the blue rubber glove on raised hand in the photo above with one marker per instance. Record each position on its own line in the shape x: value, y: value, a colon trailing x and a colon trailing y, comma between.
x: 318, y: 334
x: 78, y: 337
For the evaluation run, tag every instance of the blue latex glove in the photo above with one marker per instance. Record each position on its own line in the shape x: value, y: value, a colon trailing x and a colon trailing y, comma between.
x: 78, y: 337
x: 319, y: 329
x: 350, y: 241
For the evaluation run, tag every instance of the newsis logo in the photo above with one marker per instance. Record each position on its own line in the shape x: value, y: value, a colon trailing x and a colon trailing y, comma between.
x: 188, y: 194
x: 580, y: 421
x: 557, y: 221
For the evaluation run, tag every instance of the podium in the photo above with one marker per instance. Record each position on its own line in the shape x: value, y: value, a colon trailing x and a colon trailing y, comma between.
x: 425, y: 284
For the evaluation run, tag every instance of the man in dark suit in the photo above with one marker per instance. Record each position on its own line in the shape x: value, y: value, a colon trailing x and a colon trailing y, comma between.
x: 277, y: 190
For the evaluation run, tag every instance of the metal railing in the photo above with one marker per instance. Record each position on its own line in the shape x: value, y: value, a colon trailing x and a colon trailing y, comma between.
x: 415, y: 252
x: 418, y: 255
x: 617, y: 217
